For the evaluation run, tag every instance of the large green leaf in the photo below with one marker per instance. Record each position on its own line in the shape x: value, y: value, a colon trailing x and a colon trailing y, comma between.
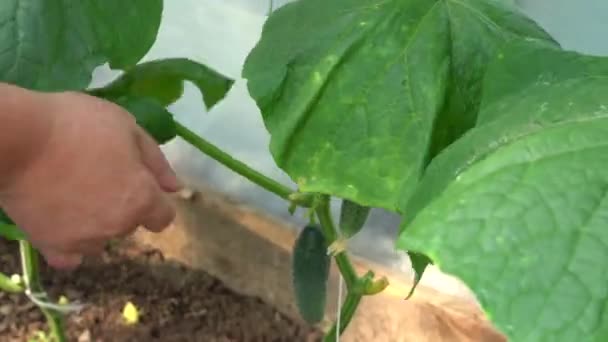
x: 352, y: 90
x: 164, y: 80
x: 524, y: 74
x: 518, y: 207
x: 54, y: 45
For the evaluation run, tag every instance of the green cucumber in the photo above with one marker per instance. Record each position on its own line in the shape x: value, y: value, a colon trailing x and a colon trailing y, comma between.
x: 352, y: 218
x: 310, y: 273
x: 150, y: 115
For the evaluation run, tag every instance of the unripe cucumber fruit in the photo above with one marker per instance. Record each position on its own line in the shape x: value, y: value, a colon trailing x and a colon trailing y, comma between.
x: 352, y: 218
x: 310, y: 273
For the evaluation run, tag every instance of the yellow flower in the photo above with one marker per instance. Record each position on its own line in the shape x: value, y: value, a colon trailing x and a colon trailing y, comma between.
x: 130, y: 313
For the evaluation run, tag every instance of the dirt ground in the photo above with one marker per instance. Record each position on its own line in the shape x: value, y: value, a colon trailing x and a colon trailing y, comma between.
x: 177, y: 304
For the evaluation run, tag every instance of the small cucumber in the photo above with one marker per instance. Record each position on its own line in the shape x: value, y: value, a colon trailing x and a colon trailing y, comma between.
x: 150, y: 115
x: 352, y: 218
x: 310, y: 272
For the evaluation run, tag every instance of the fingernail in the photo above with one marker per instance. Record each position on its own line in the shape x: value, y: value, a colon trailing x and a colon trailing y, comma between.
x: 172, y: 183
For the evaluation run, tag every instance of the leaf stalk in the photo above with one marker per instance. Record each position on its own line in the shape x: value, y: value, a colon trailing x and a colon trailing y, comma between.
x: 241, y: 168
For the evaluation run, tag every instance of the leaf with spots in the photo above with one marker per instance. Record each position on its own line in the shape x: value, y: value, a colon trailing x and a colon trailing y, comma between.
x: 518, y: 207
x: 55, y: 45
x: 354, y: 92
x: 562, y: 79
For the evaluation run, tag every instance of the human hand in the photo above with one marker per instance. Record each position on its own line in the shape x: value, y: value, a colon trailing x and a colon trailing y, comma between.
x: 92, y: 175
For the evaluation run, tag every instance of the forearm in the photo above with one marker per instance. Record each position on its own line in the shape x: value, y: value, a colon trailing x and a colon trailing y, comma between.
x: 23, y: 129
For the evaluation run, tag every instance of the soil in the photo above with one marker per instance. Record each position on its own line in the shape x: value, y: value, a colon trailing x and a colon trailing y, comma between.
x: 176, y: 303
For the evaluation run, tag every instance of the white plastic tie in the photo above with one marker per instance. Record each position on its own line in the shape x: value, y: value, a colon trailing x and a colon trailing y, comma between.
x: 339, y: 313
x: 41, y: 300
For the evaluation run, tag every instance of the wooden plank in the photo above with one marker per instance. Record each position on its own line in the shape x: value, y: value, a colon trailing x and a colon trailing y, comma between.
x: 251, y: 253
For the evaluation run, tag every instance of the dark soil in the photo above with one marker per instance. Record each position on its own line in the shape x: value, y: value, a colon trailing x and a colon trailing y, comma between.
x: 176, y: 303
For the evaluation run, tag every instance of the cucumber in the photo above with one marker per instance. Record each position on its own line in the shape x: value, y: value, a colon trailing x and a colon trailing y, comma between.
x: 352, y: 218
x: 150, y: 115
x: 310, y: 273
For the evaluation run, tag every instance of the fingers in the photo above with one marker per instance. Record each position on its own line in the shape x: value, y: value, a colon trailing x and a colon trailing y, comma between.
x: 70, y: 257
x: 62, y: 260
x: 160, y: 214
x: 154, y: 159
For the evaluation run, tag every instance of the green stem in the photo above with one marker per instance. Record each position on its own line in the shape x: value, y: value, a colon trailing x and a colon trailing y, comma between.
x: 349, y: 307
x: 354, y: 284
x: 6, y: 284
x: 31, y: 279
x: 235, y: 165
x: 331, y: 234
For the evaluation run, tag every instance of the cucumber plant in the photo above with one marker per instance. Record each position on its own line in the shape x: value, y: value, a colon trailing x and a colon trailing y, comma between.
x: 463, y: 116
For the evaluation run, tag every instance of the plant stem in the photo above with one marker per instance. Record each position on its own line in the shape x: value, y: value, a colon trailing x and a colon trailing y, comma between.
x: 6, y: 284
x: 31, y: 279
x: 346, y: 314
x: 331, y: 234
x: 235, y: 165
x: 354, y: 283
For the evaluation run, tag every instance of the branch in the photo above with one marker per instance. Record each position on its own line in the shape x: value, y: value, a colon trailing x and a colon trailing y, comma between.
x: 239, y: 167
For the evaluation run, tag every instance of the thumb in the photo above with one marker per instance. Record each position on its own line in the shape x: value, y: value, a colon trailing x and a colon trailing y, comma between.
x: 154, y: 159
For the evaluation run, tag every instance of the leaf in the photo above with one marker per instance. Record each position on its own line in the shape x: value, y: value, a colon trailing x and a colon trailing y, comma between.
x: 351, y: 91
x: 419, y: 263
x: 55, y: 45
x: 8, y: 229
x: 11, y: 232
x: 523, y: 73
x: 155, y: 119
x: 518, y: 207
x: 163, y: 80
x: 4, y: 218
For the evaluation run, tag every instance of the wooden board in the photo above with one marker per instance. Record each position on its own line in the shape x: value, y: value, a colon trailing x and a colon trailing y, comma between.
x: 251, y: 253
